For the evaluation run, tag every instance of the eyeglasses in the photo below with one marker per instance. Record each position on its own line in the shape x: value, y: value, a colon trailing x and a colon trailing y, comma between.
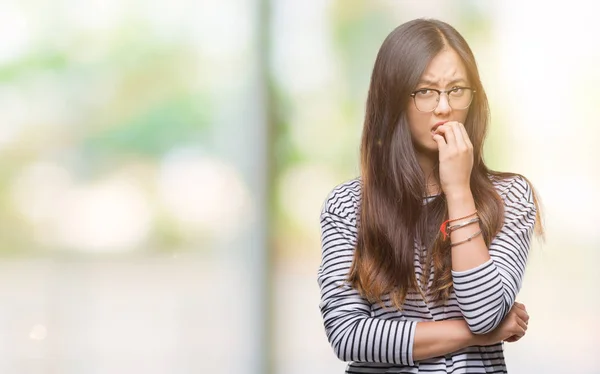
x: 427, y: 99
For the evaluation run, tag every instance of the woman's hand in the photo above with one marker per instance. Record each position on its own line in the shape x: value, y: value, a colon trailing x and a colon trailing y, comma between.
x: 455, y: 156
x: 512, y: 328
x: 516, y: 337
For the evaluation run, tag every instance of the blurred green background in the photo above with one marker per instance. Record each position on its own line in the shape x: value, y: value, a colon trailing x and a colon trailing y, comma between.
x: 163, y: 166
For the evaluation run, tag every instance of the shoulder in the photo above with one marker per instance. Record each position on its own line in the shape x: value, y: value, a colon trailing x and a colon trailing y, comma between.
x: 513, y: 189
x: 344, y: 200
x: 513, y: 186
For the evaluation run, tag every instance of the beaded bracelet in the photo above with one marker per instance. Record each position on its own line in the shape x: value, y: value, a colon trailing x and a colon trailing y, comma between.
x: 467, y: 239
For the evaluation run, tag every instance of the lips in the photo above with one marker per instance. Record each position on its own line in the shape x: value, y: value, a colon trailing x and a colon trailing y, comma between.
x: 437, y: 125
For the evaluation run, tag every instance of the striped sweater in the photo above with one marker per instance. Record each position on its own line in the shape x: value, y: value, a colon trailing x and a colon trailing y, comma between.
x: 380, y: 340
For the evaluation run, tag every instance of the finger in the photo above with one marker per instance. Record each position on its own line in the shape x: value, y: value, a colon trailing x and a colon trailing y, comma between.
x: 446, y: 131
x: 458, y: 134
x: 518, y: 333
x: 523, y: 316
x: 466, y: 136
x: 522, y: 324
x: 518, y: 308
x: 519, y: 305
x: 441, y: 142
x: 513, y: 339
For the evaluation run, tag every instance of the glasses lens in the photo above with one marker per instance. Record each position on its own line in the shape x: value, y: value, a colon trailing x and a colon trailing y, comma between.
x: 426, y: 100
x: 460, y: 98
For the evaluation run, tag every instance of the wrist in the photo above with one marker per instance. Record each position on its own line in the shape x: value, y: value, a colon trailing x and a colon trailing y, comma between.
x: 458, y: 193
x: 460, y: 203
x: 471, y: 339
x: 477, y: 339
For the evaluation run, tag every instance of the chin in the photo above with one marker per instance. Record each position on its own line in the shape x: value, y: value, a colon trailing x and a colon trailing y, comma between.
x: 431, y: 145
x: 427, y: 148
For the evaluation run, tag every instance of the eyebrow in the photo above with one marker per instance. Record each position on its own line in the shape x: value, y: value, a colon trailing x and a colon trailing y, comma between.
x: 432, y: 83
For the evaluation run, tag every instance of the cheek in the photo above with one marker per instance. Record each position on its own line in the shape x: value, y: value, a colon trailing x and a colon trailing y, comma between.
x: 418, y: 123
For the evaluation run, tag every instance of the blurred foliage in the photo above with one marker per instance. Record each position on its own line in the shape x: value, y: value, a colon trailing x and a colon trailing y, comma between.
x: 358, y: 32
x: 125, y: 97
x: 153, y: 131
x: 42, y: 60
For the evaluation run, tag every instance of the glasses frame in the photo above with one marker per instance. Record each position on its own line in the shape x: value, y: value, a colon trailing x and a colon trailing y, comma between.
x: 440, y: 92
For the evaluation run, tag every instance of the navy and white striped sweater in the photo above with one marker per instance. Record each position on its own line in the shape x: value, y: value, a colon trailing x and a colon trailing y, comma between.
x: 380, y: 340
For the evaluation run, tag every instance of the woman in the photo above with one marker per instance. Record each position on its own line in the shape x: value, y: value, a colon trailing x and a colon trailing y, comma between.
x: 424, y: 254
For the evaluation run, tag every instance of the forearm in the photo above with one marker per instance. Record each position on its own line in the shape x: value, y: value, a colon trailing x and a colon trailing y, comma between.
x: 473, y: 253
x: 438, y: 338
x: 355, y: 337
x: 477, y: 283
x: 480, y: 290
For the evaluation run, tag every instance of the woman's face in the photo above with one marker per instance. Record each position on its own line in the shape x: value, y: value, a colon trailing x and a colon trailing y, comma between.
x: 444, y: 72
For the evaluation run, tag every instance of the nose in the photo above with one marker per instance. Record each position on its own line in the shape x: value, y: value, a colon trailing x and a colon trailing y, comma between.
x: 443, y: 107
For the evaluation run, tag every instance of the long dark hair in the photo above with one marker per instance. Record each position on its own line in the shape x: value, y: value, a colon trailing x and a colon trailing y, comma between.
x: 393, y: 217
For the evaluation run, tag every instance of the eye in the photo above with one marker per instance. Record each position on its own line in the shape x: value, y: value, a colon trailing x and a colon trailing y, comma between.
x: 457, y: 91
x: 424, y: 92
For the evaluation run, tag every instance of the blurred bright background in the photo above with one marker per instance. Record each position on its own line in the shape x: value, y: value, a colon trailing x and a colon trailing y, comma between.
x: 163, y: 166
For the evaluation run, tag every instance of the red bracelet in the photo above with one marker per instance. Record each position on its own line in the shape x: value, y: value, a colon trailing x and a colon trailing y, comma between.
x: 444, y: 226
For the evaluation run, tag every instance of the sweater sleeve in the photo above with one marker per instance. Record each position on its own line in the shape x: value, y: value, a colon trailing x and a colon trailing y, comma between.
x: 486, y: 293
x: 350, y: 329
